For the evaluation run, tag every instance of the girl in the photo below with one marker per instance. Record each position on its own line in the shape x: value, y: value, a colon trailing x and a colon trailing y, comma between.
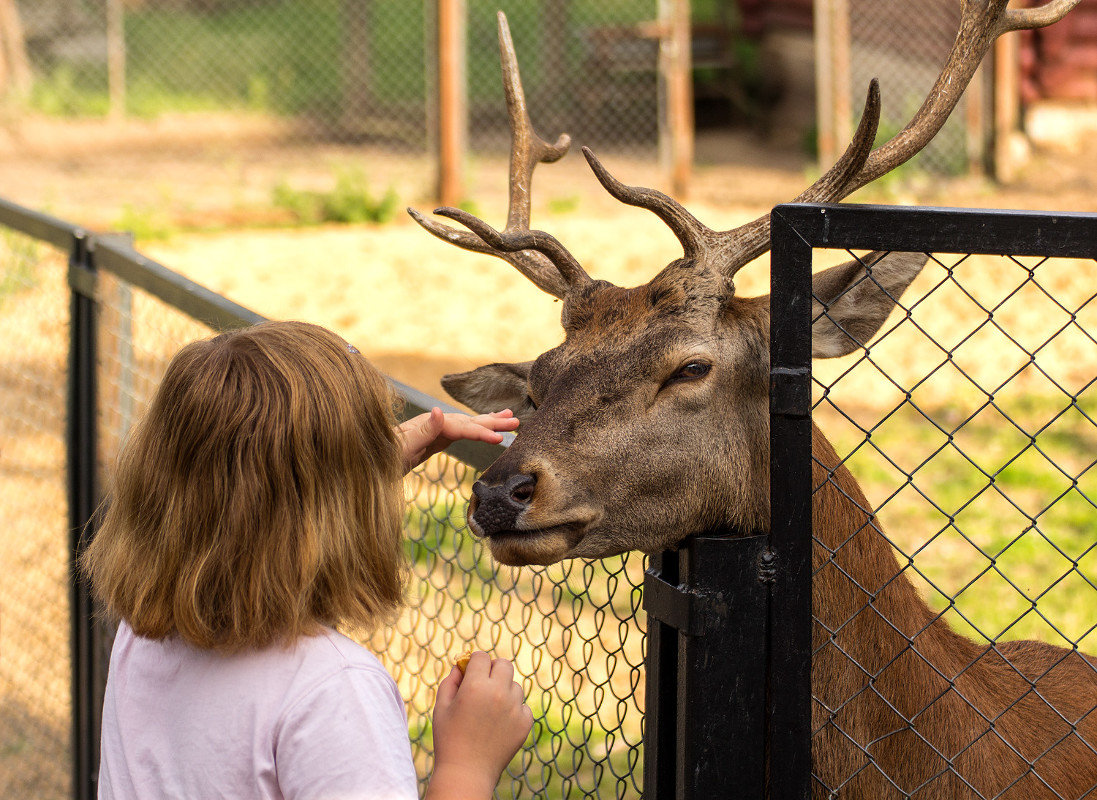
x: 255, y: 509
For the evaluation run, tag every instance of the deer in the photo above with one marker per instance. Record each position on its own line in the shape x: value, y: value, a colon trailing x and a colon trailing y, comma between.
x: 649, y: 423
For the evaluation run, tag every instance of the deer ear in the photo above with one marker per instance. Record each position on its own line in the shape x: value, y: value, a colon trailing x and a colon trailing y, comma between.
x: 852, y: 300
x: 492, y: 388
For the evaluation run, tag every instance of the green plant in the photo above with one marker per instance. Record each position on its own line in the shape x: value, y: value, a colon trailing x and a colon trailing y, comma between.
x: 350, y: 201
x: 563, y: 205
x: 146, y: 224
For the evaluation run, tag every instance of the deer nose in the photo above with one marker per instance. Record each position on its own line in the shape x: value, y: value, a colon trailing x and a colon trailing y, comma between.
x: 496, y: 508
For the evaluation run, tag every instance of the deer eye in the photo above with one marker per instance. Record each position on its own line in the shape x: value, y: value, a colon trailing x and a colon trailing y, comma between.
x: 691, y: 372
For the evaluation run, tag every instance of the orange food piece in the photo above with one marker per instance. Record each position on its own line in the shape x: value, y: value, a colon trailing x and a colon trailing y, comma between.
x: 462, y: 660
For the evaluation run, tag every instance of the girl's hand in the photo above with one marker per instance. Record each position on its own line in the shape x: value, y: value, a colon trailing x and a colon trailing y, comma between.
x: 480, y: 721
x: 427, y: 434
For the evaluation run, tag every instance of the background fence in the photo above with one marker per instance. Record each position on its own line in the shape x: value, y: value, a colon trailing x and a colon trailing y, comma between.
x: 348, y: 71
x: 366, y: 73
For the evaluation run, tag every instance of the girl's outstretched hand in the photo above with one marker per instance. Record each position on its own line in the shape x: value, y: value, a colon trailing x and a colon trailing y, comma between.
x: 480, y: 721
x: 431, y: 433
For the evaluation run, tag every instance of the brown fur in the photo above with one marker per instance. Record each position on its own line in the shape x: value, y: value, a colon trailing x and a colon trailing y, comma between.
x: 906, y: 707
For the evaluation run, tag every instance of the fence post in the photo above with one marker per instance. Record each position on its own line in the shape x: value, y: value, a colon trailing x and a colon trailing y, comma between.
x: 451, y: 104
x: 661, y: 683
x: 708, y: 606
x: 83, y: 497
x: 788, y: 710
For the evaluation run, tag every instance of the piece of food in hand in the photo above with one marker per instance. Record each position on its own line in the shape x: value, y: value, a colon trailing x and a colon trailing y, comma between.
x: 462, y: 660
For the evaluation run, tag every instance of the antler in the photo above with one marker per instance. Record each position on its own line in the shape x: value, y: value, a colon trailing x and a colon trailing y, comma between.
x: 980, y: 24
x: 705, y: 245
x: 535, y: 254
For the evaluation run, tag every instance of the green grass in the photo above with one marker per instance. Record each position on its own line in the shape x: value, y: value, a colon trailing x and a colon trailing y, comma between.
x: 350, y: 201
x: 1001, y: 517
x: 289, y: 57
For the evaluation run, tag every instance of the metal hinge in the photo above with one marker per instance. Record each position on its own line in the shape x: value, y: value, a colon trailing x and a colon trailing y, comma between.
x: 790, y: 391
x: 688, y: 611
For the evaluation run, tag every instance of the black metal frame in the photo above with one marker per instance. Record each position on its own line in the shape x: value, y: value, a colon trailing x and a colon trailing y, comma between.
x: 729, y: 617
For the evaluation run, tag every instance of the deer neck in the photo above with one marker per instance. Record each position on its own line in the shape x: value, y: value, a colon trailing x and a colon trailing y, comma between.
x: 871, y: 625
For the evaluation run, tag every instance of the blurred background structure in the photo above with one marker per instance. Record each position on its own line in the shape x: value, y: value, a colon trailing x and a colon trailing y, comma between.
x: 406, y: 79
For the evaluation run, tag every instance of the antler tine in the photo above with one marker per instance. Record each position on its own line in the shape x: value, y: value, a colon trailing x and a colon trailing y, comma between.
x: 1028, y: 18
x: 540, y: 271
x: 742, y: 245
x: 729, y: 250
x: 980, y: 24
x: 509, y: 241
x: 527, y: 151
x: 690, y: 231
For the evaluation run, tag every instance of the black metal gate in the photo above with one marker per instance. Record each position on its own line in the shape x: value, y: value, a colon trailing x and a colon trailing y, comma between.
x: 730, y: 690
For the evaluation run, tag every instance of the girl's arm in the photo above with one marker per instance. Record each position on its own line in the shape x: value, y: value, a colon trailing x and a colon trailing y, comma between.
x: 431, y: 433
x: 480, y: 721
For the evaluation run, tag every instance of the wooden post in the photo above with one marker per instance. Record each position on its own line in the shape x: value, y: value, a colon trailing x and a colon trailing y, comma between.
x: 15, y: 71
x: 975, y: 123
x: 116, y: 58
x: 452, y: 101
x: 1007, y: 106
x: 675, y: 64
x: 833, y: 111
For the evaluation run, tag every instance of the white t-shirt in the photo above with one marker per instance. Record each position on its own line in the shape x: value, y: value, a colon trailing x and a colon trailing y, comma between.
x: 322, y: 719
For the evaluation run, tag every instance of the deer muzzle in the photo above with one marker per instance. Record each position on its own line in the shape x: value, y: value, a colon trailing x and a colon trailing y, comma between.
x: 497, y: 508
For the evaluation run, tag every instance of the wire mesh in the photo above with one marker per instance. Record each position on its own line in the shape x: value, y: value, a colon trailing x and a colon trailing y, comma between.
x: 956, y: 599
x: 906, y: 49
x: 343, y: 71
x: 588, y: 68
x: 575, y: 631
x: 35, y: 705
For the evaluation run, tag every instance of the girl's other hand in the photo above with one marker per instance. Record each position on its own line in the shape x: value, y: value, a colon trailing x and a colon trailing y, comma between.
x: 431, y: 433
x: 480, y: 721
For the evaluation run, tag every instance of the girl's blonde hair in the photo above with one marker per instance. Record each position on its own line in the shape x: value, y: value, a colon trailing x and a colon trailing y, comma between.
x: 260, y: 497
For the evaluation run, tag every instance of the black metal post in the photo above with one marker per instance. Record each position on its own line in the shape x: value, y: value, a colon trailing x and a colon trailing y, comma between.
x: 789, y: 696
x: 83, y: 498
x: 661, y: 685
x: 707, y: 604
x: 722, y: 668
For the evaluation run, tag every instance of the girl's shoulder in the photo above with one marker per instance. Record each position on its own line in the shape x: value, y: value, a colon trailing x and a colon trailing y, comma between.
x: 337, y: 650
x: 331, y: 656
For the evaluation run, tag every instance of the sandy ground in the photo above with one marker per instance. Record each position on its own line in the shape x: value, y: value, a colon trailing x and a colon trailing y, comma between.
x: 416, y: 305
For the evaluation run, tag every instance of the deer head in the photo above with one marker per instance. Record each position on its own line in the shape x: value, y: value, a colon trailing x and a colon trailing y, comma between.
x: 650, y: 421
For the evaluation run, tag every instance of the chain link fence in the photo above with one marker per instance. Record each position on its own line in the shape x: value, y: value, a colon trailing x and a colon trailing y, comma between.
x: 575, y: 631
x: 35, y: 670
x: 970, y: 422
x: 345, y: 70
